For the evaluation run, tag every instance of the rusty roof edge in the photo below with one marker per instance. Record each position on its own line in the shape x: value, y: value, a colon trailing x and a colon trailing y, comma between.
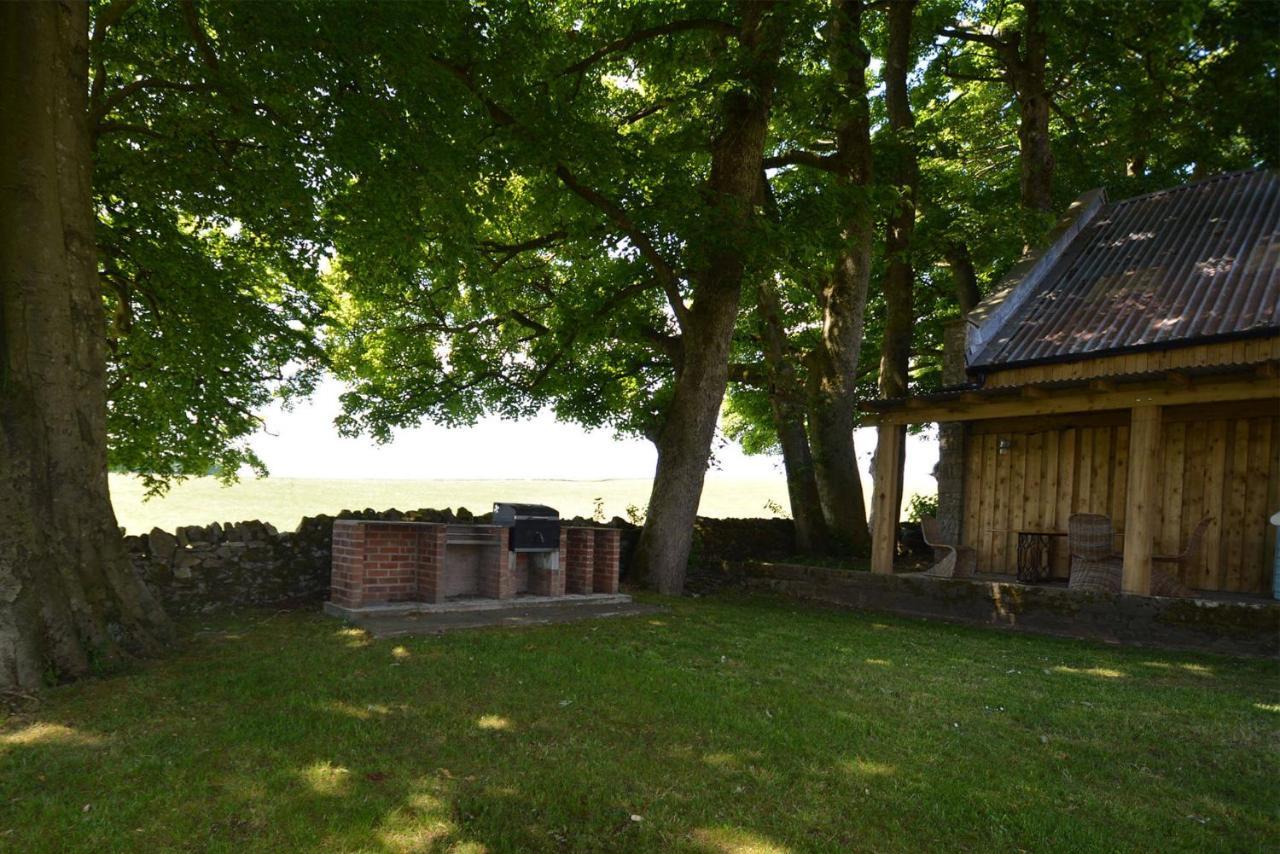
x: 986, y: 319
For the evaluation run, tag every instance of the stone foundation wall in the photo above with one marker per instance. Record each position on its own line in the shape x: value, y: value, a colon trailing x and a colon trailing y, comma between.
x: 1232, y: 628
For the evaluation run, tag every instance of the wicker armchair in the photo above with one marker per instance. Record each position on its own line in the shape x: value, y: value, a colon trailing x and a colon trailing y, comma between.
x: 959, y: 561
x: 1167, y: 580
x: 1095, y: 567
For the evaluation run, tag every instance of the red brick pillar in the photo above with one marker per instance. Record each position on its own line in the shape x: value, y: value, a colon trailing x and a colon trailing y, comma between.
x: 346, y: 573
x: 604, y: 578
x: 579, y: 560
x: 430, y: 575
x: 497, y: 576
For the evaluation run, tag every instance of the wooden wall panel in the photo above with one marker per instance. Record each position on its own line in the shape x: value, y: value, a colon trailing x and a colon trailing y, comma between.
x: 1225, y: 467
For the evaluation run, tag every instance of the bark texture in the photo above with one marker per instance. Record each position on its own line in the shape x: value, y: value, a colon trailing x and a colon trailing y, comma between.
x: 684, y: 442
x: 843, y: 298
x: 1028, y: 72
x: 69, y: 599
x: 964, y: 274
x: 899, y: 290
x: 786, y: 404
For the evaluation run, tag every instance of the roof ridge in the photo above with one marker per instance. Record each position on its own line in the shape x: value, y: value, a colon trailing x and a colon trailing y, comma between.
x: 1167, y: 191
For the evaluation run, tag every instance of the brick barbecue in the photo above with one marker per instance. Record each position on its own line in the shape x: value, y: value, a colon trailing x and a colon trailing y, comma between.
x: 524, y: 552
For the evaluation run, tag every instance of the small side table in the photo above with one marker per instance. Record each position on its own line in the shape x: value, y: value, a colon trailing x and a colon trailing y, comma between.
x: 1033, y: 554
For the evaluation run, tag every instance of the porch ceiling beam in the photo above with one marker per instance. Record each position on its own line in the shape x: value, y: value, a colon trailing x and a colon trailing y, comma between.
x: 1008, y: 405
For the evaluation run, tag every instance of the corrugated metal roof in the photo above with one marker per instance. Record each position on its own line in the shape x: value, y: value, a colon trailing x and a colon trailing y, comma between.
x: 1190, y: 264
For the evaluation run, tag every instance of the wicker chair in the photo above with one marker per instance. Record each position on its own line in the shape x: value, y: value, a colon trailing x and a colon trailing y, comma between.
x: 1167, y: 580
x: 959, y: 561
x: 1095, y: 567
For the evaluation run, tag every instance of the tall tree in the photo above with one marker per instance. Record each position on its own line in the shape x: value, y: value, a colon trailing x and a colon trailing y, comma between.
x: 903, y: 177
x: 1019, y: 48
x: 619, y: 152
x: 69, y: 599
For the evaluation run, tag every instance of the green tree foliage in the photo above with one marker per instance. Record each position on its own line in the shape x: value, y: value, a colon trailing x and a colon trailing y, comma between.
x: 208, y: 125
x: 1143, y: 96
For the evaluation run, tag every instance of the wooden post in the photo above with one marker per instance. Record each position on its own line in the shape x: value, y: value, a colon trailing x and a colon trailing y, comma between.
x: 887, y: 500
x: 1141, y: 516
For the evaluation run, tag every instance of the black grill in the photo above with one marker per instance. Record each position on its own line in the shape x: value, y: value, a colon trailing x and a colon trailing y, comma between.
x: 534, y: 527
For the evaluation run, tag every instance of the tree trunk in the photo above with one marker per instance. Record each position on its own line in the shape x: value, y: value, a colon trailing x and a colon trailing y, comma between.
x: 833, y: 400
x: 899, y: 296
x: 786, y: 402
x: 1036, y: 162
x: 684, y: 442
x: 966, y: 277
x: 69, y: 599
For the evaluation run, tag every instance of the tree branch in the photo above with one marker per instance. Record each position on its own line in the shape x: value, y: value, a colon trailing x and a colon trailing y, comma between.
x: 122, y: 94
x: 666, y: 273
x: 825, y: 162
x: 667, y: 276
x: 722, y: 27
x: 972, y: 36
x: 192, y: 17
x: 108, y: 18
x: 507, y: 251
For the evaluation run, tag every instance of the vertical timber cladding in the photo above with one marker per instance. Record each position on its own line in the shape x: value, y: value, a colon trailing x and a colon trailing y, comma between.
x: 1033, y: 473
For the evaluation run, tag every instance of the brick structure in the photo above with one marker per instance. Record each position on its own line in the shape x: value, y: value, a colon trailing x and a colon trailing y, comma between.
x: 579, y: 560
x: 607, y: 547
x: 430, y: 567
x: 497, y: 572
x: 376, y: 563
x: 546, y: 574
x: 347, y: 580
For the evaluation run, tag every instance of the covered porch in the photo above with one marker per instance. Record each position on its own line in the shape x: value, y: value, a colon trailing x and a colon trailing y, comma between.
x: 1156, y: 454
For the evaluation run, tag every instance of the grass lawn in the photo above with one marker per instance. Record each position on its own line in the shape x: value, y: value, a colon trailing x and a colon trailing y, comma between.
x: 728, y: 724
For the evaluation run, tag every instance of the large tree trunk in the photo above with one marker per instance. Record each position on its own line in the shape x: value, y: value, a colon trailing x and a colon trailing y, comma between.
x: 964, y: 275
x: 1036, y: 162
x: 899, y: 295
x: 899, y: 279
x: 69, y: 599
x: 684, y: 443
x: 833, y: 398
x: 786, y: 403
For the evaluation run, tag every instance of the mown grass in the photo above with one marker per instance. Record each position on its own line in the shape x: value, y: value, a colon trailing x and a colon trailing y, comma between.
x: 726, y: 724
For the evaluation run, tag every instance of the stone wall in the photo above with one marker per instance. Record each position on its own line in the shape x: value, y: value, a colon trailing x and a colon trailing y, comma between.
x: 1229, y: 627
x: 200, y: 569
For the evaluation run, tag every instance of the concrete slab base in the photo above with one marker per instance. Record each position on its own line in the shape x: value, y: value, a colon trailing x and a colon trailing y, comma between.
x: 385, y: 622
x: 406, y: 609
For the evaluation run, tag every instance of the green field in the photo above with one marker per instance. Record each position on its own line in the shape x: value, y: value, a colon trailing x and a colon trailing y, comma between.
x: 284, y: 501
x: 729, y: 723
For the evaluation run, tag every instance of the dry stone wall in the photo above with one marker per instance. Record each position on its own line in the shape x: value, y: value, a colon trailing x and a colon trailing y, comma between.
x: 203, y: 568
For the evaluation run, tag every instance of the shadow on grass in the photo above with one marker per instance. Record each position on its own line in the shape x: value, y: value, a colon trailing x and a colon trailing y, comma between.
x: 739, y: 725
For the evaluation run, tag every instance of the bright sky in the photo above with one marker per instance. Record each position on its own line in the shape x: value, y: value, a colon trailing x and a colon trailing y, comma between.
x: 304, y: 443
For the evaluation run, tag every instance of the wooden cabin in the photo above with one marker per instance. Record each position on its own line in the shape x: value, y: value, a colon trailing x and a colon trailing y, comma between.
x: 1131, y: 368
